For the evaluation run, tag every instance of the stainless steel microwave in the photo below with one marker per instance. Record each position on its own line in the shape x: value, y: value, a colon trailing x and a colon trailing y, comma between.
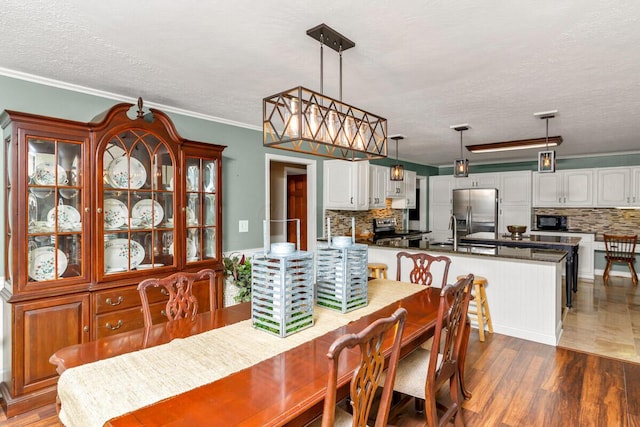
x: 551, y: 222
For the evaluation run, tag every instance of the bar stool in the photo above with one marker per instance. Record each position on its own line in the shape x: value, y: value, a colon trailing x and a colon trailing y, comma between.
x: 378, y: 270
x: 481, y: 309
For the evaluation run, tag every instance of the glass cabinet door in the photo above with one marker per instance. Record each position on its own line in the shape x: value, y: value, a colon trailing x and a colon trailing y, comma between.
x: 54, y: 206
x: 137, y: 203
x: 201, y: 209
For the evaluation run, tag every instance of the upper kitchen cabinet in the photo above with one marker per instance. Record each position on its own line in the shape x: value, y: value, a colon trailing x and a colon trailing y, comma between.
x: 514, y: 199
x: 378, y: 178
x: 408, y: 200
x: 515, y: 188
x: 567, y: 188
x: 618, y: 187
x: 477, y: 180
x: 440, y: 189
x: 346, y: 185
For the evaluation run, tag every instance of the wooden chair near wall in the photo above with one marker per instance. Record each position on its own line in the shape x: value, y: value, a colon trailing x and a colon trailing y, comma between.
x: 421, y: 271
x: 423, y: 372
x: 182, y: 303
x: 620, y: 249
x: 368, y: 374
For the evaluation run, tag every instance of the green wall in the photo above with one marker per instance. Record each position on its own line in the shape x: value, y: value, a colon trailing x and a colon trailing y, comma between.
x: 243, y: 159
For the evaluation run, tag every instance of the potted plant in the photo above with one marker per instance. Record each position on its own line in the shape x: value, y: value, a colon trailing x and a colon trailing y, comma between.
x: 237, y: 272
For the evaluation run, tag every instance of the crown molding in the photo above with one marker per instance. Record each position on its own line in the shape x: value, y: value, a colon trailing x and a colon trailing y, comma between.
x: 32, y: 78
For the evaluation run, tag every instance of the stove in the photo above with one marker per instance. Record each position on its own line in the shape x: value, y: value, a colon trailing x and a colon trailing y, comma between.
x: 384, y: 231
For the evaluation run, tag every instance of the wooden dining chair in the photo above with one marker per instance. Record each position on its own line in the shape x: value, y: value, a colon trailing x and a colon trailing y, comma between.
x: 178, y: 287
x: 423, y: 372
x: 421, y: 271
x: 620, y: 249
x: 367, y: 375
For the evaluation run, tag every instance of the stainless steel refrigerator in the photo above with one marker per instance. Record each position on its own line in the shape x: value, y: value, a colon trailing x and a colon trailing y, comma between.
x: 475, y: 210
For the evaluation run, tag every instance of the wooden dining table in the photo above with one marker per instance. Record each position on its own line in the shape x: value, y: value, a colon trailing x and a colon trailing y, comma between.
x: 285, y: 389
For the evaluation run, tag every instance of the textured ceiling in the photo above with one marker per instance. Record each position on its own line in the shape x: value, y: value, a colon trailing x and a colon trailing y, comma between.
x: 423, y: 64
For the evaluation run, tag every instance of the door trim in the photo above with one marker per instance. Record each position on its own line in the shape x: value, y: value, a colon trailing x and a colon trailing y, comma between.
x: 312, y: 179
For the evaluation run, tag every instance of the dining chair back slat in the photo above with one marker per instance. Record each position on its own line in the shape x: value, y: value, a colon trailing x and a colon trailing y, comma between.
x: 182, y: 303
x: 423, y: 372
x: 422, y: 270
x: 367, y: 375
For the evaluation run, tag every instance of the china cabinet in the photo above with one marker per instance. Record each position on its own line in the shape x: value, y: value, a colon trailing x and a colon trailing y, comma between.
x: 91, y: 209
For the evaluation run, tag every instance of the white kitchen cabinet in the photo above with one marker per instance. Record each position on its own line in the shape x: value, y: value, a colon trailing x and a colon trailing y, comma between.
x: 477, y: 180
x: 515, y: 188
x: 440, y: 188
x: 513, y: 215
x: 378, y: 177
x: 568, y: 188
x: 585, y: 251
x: 514, y: 200
x: 409, y: 191
x: 618, y: 187
x: 396, y: 189
x: 346, y: 185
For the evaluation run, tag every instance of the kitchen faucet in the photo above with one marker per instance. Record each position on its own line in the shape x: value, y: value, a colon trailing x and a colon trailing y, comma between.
x: 453, y: 225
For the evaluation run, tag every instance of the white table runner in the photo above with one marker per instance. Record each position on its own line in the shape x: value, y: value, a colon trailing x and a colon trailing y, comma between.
x: 94, y: 393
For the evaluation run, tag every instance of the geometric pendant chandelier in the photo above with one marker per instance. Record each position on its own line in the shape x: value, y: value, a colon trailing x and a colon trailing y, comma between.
x: 306, y: 121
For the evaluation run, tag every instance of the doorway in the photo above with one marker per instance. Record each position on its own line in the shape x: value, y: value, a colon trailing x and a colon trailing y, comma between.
x: 297, y: 208
x: 291, y: 193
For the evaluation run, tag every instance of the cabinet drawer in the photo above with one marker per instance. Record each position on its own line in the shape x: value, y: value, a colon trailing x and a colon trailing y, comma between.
x: 127, y: 315
x: 123, y: 298
x: 127, y: 320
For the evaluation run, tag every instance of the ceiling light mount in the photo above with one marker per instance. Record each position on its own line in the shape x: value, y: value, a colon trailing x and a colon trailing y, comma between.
x: 396, y: 173
x: 461, y: 165
x: 309, y: 122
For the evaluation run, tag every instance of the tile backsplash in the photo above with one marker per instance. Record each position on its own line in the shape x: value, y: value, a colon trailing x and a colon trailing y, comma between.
x: 341, y: 220
x: 598, y: 220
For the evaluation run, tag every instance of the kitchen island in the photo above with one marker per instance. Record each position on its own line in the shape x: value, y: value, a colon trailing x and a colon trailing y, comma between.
x: 524, y: 284
x: 565, y: 243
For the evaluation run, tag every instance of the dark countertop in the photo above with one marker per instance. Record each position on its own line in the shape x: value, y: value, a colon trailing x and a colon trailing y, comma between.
x: 537, y: 240
x: 526, y: 254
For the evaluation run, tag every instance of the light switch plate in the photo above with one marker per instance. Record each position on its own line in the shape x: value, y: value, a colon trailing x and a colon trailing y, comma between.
x: 243, y: 226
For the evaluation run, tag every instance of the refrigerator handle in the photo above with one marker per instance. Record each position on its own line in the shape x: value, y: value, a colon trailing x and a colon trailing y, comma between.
x: 469, y: 215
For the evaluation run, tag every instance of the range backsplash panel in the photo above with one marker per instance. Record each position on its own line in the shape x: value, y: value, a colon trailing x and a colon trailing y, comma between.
x: 341, y: 220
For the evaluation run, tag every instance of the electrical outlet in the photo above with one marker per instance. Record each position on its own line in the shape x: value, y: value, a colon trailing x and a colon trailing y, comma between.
x: 243, y: 226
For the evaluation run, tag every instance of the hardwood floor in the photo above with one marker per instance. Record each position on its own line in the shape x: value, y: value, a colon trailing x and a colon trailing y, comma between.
x: 520, y: 383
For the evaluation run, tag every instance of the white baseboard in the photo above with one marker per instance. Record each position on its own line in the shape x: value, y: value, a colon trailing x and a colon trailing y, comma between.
x: 600, y: 272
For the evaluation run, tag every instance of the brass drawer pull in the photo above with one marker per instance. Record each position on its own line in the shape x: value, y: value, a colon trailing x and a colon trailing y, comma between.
x: 164, y: 291
x: 164, y: 313
x: 118, y: 301
x: 113, y: 328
